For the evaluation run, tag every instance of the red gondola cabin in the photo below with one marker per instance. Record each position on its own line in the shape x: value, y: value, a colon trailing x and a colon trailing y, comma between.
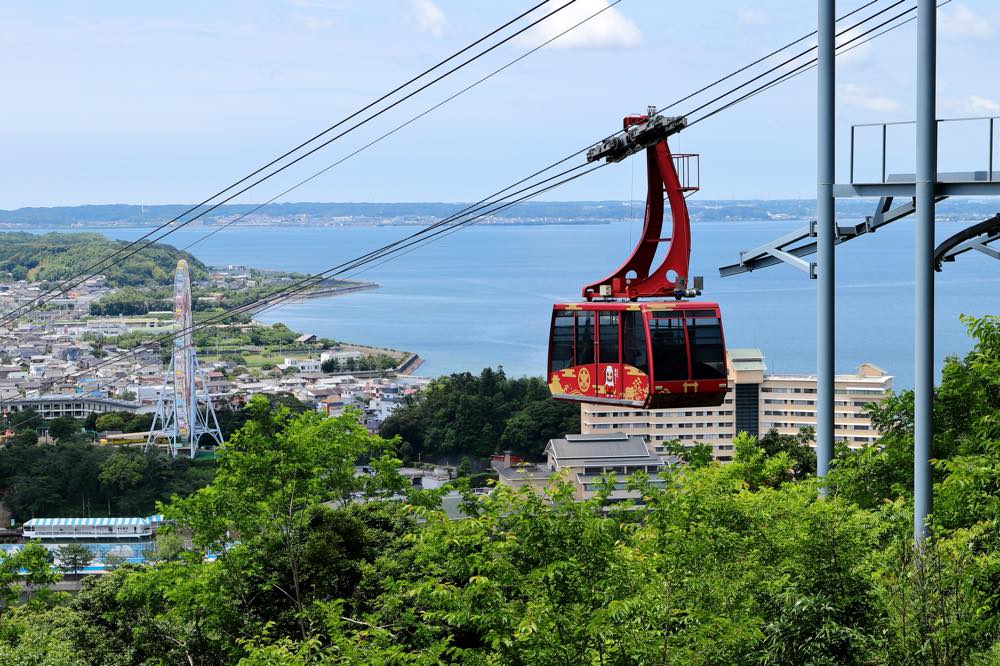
x: 649, y: 355
x: 614, y: 349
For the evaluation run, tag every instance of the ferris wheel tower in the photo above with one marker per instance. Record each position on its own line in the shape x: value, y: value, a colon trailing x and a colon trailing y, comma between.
x: 184, y: 412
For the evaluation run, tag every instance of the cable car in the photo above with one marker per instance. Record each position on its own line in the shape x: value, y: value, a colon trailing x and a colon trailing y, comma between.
x: 614, y: 348
x: 648, y: 355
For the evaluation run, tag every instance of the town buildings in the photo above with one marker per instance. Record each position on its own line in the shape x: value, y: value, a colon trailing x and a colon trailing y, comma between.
x: 582, y: 461
x: 52, y: 406
x: 65, y: 362
x: 756, y: 402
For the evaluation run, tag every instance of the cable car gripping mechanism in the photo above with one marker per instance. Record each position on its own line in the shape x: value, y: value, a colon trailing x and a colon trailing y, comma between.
x: 641, y: 132
x: 636, y: 278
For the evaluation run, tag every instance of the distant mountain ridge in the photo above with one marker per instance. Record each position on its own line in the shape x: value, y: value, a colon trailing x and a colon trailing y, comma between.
x: 529, y: 212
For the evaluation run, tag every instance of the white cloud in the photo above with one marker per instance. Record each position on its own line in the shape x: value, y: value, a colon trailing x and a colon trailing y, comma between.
x: 429, y: 16
x: 314, y: 4
x: 861, y: 98
x: 608, y: 30
x: 979, y: 104
x: 310, y: 22
x: 752, y: 16
x: 963, y: 22
x: 313, y: 15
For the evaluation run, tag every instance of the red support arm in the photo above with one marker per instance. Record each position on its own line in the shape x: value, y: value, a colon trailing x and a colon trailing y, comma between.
x: 637, y: 278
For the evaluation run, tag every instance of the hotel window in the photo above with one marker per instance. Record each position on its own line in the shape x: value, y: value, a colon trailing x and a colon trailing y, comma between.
x: 748, y: 408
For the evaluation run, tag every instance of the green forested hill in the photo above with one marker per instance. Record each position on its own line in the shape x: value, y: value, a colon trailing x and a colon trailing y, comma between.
x: 57, y: 256
x: 465, y: 415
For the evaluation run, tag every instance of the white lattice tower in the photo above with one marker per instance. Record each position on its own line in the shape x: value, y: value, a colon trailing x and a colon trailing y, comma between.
x: 184, y: 412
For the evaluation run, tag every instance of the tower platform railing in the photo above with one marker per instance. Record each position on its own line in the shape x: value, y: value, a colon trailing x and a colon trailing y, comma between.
x: 980, y: 128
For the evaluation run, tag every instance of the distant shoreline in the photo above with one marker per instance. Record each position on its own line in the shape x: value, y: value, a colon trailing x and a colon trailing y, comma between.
x: 969, y: 217
x: 315, y: 225
x: 329, y: 292
x: 409, y: 214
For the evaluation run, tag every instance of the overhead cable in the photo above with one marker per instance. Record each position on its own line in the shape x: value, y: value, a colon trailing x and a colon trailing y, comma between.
x: 451, y: 224
x: 95, y: 268
x: 805, y: 67
x: 284, y: 294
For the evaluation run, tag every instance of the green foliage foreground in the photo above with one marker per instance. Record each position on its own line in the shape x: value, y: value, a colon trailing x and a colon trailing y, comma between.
x: 735, y: 564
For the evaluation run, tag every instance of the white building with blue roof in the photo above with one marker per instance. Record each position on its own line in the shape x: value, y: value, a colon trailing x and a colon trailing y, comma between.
x: 91, y: 528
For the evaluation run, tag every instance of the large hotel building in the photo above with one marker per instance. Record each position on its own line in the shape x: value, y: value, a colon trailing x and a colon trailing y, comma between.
x: 756, y: 403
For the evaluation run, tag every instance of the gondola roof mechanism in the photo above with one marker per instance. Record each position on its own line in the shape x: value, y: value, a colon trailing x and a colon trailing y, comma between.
x: 640, y: 132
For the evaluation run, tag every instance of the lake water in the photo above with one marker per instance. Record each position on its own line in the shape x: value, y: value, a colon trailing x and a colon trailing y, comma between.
x: 483, y: 296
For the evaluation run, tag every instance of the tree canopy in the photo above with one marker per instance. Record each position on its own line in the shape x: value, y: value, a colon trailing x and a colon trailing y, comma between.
x: 463, y: 414
x: 57, y: 256
x: 296, y: 558
x: 74, y: 477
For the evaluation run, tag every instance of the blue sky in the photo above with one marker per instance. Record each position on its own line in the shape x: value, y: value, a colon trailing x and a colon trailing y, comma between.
x: 126, y: 102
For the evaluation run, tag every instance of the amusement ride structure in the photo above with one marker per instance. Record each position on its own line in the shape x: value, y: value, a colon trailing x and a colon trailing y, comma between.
x: 184, y: 413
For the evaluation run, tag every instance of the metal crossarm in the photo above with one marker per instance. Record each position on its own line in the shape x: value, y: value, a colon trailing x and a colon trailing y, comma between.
x: 778, y: 251
x: 790, y: 248
x: 977, y: 237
